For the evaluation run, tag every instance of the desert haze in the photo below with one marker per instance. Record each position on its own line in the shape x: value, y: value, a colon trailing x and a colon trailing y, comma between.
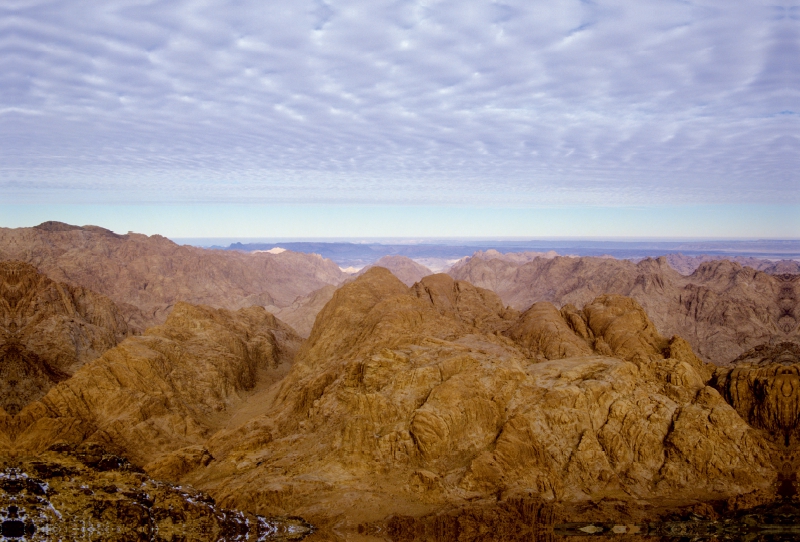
x: 158, y: 391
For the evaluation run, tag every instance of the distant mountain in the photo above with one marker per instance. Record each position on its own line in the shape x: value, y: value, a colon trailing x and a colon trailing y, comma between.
x: 722, y: 308
x: 406, y: 269
x: 153, y: 273
x: 438, y: 254
x: 686, y: 265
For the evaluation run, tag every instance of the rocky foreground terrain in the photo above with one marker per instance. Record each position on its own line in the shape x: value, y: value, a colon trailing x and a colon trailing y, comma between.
x: 409, y: 410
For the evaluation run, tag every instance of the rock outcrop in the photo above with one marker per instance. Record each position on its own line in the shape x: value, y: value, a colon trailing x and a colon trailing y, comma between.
x: 47, y: 331
x: 763, y: 385
x: 722, y: 309
x: 88, y: 494
x: 153, y: 273
x: 404, y: 400
x: 163, y: 392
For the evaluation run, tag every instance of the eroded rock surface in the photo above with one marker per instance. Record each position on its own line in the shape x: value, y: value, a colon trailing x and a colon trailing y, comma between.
x: 763, y: 385
x: 88, y: 494
x: 406, y: 399
x: 163, y: 392
x: 47, y: 331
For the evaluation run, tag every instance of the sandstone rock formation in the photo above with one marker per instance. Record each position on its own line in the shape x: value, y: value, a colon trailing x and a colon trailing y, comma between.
x: 763, y: 385
x: 153, y: 273
x: 47, y: 331
x: 405, y: 269
x: 404, y: 400
x: 165, y: 391
x: 722, y: 309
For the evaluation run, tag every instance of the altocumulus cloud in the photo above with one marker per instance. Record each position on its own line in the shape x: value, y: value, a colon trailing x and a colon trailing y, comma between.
x: 469, y: 101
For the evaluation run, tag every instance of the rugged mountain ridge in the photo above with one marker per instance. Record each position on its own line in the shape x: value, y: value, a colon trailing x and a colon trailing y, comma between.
x: 404, y: 400
x: 722, y: 309
x: 454, y: 397
x: 153, y: 273
x: 165, y: 390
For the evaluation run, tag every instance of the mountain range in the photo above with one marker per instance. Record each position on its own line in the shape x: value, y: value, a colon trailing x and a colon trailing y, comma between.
x: 511, y: 384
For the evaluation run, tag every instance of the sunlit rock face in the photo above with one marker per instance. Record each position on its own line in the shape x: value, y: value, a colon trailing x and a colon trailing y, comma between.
x: 438, y: 395
x: 48, y: 330
x: 763, y: 385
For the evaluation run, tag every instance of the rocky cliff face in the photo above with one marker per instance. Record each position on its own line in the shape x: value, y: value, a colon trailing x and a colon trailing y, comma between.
x: 722, y: 309
x: 153, y: 273
x: 404, y: 400
x: 763, y: 385
x: 47, y: 331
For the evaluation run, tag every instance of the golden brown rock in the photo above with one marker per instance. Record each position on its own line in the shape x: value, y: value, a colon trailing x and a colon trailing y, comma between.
x: 405, y: 400
x: 47, y: 331
x: 763, y: 385
x: 165, y: 390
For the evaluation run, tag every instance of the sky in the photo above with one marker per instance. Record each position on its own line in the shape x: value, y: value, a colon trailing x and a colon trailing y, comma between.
x: 348, y: 118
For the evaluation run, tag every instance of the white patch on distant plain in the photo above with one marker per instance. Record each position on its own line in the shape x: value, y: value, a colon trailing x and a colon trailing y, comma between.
x: 350, y: 270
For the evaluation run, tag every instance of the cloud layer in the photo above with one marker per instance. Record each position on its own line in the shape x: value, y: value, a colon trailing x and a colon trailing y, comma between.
x: 473, y: 102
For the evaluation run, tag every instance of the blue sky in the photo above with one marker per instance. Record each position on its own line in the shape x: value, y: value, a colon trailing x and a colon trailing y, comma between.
x: 397, y: 116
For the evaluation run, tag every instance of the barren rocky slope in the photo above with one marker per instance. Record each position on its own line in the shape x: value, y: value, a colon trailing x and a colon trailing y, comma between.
x: 405, y: 400
x: 302, y: 313
x: 408, y: 400
x: 166, y: 390
x: 722, y: 309
x: 686, y: 265
x: 152, y: 273
x: 48, y: 330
